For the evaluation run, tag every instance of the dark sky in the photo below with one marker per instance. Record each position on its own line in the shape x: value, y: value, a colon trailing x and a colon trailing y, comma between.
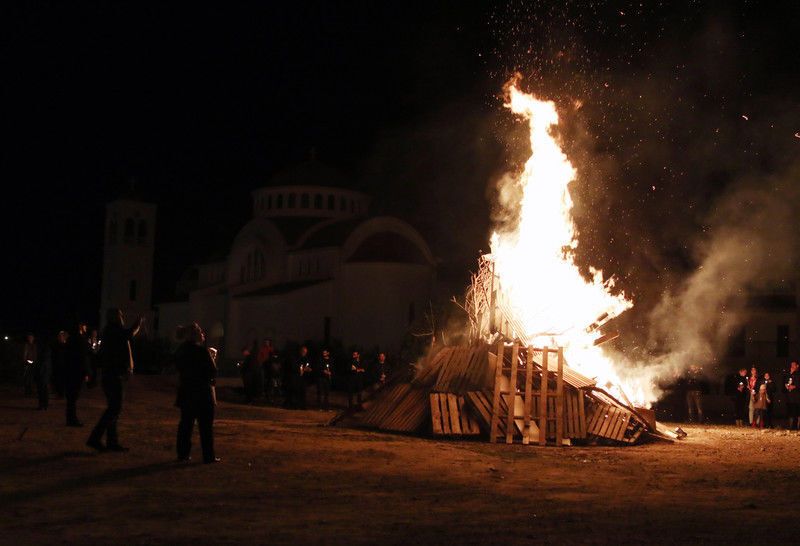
x: 201, y: 105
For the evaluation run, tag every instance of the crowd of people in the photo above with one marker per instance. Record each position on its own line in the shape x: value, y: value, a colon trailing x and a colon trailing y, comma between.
x: 754, y: 396
x: 78, y: 358
x: 285, y: 380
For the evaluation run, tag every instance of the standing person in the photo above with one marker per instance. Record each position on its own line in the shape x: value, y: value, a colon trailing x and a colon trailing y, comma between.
x: 770, y: 384
x: 382, y: 368
x: 355, y: 380
x: 275, y: 373
x: 42, y: 376
x: 264, y: 361
x: 741, y: 397
x: 301, y: 371
x: 30, y: 361
x: 753, y: 382
x: 94, y: 349
x: 197, y: 371
x: 76, y: 372
x: 761, y: 402
x: 324, y: 378
x: 250, y: 375
x: 116, y: 360
x: 694, y: 393
x: 791, y: 384
x: 58, y: 362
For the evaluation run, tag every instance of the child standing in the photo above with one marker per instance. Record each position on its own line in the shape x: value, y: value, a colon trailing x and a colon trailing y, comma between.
x: 760, y: 406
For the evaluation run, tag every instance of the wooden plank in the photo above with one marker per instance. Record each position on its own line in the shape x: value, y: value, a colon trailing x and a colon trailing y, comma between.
x: 436, y: 416
x: 560, y: 399
x: 620, y: 435
x: 526, y: 428
x: 609, y: 422
x: 445, y: 414
x: 543, y: 400
x: 581, y: 414
x: 512, y: 389
x: 573, y: 410
x: 452, y: 409
x: 498, y: 363
x: 480, y: 404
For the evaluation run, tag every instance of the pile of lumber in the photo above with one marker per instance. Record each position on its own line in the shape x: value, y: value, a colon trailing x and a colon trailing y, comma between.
x: 506, y: 393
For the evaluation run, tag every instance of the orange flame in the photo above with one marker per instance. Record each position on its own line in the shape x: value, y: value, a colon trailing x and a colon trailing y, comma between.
x: 549, y: 297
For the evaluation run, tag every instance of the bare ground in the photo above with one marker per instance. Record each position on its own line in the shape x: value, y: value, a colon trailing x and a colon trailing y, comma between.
x: 287, y: 478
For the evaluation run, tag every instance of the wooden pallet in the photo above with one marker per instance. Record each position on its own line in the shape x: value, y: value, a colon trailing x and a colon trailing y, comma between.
x: 450, y: 416
x: 464, y: 369
x: 607, y: 418
x: 401, y: 408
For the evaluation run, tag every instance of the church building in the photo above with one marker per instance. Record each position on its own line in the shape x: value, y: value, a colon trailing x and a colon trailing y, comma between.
x: 311, y: 264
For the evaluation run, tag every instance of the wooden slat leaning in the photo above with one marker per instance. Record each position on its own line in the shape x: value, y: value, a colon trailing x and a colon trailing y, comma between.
x: 526, y: 429
x: 543, y: 400
x: 512, y: 390
x: 498, y: 363
x: 436, y: 416
x: 560, y: 398
x: 452, y: 406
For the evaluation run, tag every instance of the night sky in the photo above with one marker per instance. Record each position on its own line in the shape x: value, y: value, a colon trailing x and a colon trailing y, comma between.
x: 666, y: 107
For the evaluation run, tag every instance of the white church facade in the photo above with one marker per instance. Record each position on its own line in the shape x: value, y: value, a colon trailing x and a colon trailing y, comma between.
x: 311, y: 264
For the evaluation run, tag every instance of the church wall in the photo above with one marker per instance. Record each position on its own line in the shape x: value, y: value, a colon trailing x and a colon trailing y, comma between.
x: 294, y: 316
x: 375, y: 301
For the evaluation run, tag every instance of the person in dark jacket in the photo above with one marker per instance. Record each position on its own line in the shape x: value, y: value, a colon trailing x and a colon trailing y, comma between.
x: 298, y: 375
x: 30, y: 361
x: 76, y: 372
x: 770, y: 384
x: 58, y: 362
x: 42, y: 377
x: 792, y: 386
x: 116, y: 361
x: 94, y: 350
x: 355, y: 380
x: 324, y: 373
x: 197, y: 370
x: 694, y: 393
x: 741, y: 396
x: 382, y: 369
x: 250, y: 373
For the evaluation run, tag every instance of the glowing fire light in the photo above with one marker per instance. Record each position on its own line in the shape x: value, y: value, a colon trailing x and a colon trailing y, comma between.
x: 534, y: 261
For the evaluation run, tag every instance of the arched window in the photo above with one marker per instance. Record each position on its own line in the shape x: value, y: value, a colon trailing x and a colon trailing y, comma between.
x: 249, y: 274
x: 130, y: 227
x: 269, y: 202
x: 279, y: 201
x: 318, y: 201
x: 241, y: 275
x: 112, y: 231
x: 342, y: 204
x: 305, y: 201
x: 141, y: 235
x: 352, y: 205
x: 292, y: 201
x: 331, y: 202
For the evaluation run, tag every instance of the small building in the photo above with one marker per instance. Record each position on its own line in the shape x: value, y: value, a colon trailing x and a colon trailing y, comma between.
x: 311, y: 264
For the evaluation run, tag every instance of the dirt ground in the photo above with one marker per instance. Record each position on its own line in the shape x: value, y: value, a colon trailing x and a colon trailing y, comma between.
x: 288, y: 478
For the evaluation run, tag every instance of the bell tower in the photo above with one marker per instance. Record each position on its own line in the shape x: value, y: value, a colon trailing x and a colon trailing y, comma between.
x: 128, y: 258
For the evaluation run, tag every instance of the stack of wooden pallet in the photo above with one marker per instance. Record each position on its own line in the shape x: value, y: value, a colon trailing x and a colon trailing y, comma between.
x: 514, y: 394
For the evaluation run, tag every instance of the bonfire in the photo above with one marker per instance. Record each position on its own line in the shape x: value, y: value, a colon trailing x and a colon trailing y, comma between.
x: 535, y: 370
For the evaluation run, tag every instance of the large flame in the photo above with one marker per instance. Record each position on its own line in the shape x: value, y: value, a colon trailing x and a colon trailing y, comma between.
x: 549, y: 297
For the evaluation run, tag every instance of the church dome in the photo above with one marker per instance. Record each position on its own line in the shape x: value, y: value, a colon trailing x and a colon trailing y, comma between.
x: 309, y: 190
